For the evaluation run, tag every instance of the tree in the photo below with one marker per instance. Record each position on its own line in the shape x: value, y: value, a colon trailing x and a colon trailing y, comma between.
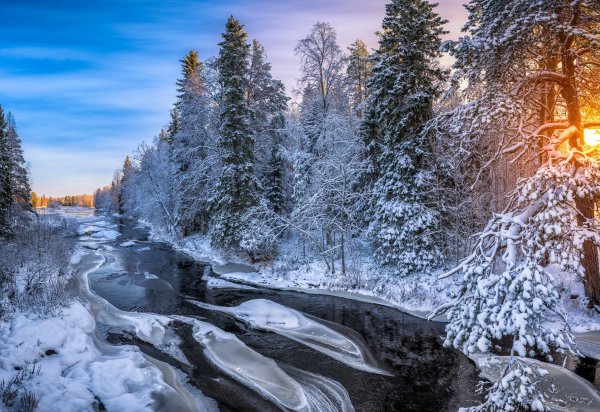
x: 403, y: 212
x: 237, y: 187
x: 538, y: 82
x: 358, y: 71
x: 19, y: 174
x: 6, y: 178
x: 192, y: 148
x: 322, y: 63
x: 267, y: 103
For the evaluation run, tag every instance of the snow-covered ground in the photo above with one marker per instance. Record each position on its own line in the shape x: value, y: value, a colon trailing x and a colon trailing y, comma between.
x: 57, y: 358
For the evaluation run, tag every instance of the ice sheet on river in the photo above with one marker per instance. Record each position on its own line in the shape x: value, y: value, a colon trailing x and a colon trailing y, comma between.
x: 271, y: 316
x: 309, y: 393
x: 564, y: 390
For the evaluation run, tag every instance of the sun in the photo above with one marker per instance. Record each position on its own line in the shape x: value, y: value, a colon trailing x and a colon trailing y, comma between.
x: 591, y: 137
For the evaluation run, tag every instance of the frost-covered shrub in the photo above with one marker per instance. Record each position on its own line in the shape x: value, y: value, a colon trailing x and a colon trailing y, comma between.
x: 34, y: 265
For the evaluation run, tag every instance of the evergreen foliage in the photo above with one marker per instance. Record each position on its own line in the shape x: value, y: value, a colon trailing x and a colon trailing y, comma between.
x: 237, y: 189
x: 404, y: 85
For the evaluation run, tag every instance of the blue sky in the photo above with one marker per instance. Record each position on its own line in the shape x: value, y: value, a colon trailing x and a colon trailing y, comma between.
x: 88, y: 80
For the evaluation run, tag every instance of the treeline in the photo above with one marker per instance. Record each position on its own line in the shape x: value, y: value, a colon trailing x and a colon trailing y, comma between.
x: 85, y: 200
x: 352, y: 160
x: 486, y: 163
x: 14, y: 177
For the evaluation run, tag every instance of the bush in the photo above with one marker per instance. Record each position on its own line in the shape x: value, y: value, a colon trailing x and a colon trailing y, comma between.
x: 34, y: 265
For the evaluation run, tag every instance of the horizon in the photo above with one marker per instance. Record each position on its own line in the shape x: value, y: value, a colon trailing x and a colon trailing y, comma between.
x: 88, y: 82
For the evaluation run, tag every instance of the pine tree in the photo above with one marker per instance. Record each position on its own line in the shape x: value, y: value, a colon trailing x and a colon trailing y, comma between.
x: 6, y: 180
x: 173, y: 125
x: 403, y: 87
x: 19, y: 175
x: 237, y: 188
x: 358, y: 71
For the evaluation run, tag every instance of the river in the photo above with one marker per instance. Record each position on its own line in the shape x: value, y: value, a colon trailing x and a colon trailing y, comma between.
x: 400, y: 364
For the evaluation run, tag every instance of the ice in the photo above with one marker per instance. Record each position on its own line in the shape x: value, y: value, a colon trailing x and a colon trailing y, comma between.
x: 271, y: 316
x: 564, y: 390
x: 107, y: 234
x: 217, y: 283
x: 128, y: 243
x: 247, y: 366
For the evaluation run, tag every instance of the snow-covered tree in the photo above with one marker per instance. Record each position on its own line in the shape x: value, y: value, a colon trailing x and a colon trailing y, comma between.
x: 193, y: 147
x: 237, y: 189
x: 358, y: 71
x: 6, y: 181
x: 403, y: 211
x: 267, y: 102
x: 19, y: 173
x: 528, y: 72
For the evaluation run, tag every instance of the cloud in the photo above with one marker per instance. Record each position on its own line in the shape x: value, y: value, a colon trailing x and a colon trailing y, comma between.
x: 88, y: 81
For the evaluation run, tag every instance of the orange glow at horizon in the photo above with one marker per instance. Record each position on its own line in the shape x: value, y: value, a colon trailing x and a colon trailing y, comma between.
x: 591, y: 137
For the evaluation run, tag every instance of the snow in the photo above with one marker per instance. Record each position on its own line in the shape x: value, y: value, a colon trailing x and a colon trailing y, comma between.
x: 217, y: 283
x: 75, y: 369
x: 564, y: 391
x: 271, y: 316
x: 107, y: 234
x: 128, y: 243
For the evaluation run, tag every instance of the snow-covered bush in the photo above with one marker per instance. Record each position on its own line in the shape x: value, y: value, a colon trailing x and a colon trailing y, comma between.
x: 34, y: 266
x: 507, y: 288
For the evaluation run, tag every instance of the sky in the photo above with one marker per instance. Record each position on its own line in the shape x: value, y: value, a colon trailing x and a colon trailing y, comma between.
x: 88, y: 80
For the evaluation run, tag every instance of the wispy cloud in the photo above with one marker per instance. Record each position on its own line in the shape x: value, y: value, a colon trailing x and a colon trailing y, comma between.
x: 88, y: 81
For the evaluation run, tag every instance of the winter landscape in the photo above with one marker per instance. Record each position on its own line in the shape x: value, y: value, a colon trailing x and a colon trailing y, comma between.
x: 300, y: 206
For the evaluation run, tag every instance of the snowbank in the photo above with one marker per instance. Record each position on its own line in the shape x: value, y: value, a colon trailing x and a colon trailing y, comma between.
x: 76, y: 372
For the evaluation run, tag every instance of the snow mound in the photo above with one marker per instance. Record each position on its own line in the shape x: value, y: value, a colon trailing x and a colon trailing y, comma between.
x: 564, y: 390
x: 127, y: 244
x: 76, y: 372
x: 271, y: 316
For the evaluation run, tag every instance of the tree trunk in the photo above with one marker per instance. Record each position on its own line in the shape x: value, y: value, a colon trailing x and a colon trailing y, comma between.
x: 590, y: 255
x: 585, y: 206
x: 343, y: 254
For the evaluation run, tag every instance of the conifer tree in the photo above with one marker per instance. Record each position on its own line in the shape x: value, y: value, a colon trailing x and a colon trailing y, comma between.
x: 6, y: 181
x: 19, y: 175
x: 267, y: 102
x: 191, y: 123
x: 402, y: 90
x: 237, y: 188
x: 358, y: 71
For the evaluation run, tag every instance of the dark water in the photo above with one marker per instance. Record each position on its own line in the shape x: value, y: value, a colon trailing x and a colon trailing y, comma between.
x: 426, y: 377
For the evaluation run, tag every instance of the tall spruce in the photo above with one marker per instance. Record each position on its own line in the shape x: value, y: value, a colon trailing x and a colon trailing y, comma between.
x: 191, y: 138
x: 267, y: 102
x: 6, y: 187
x: 237, y: 187
x: 19, y: 174
x: 402, y: 89
x: 358, y: 71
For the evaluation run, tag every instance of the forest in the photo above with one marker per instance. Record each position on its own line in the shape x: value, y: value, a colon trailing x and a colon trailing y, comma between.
x: 468, y: 190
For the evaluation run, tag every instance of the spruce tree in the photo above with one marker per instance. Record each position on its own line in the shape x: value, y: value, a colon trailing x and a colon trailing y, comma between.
x: 358, y: 71
x: 191, y: 125
x: 237, y: 188
x: 19, y: 175
x: 6, y: 188
x: 402, y: 88
x: 267, y: 102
